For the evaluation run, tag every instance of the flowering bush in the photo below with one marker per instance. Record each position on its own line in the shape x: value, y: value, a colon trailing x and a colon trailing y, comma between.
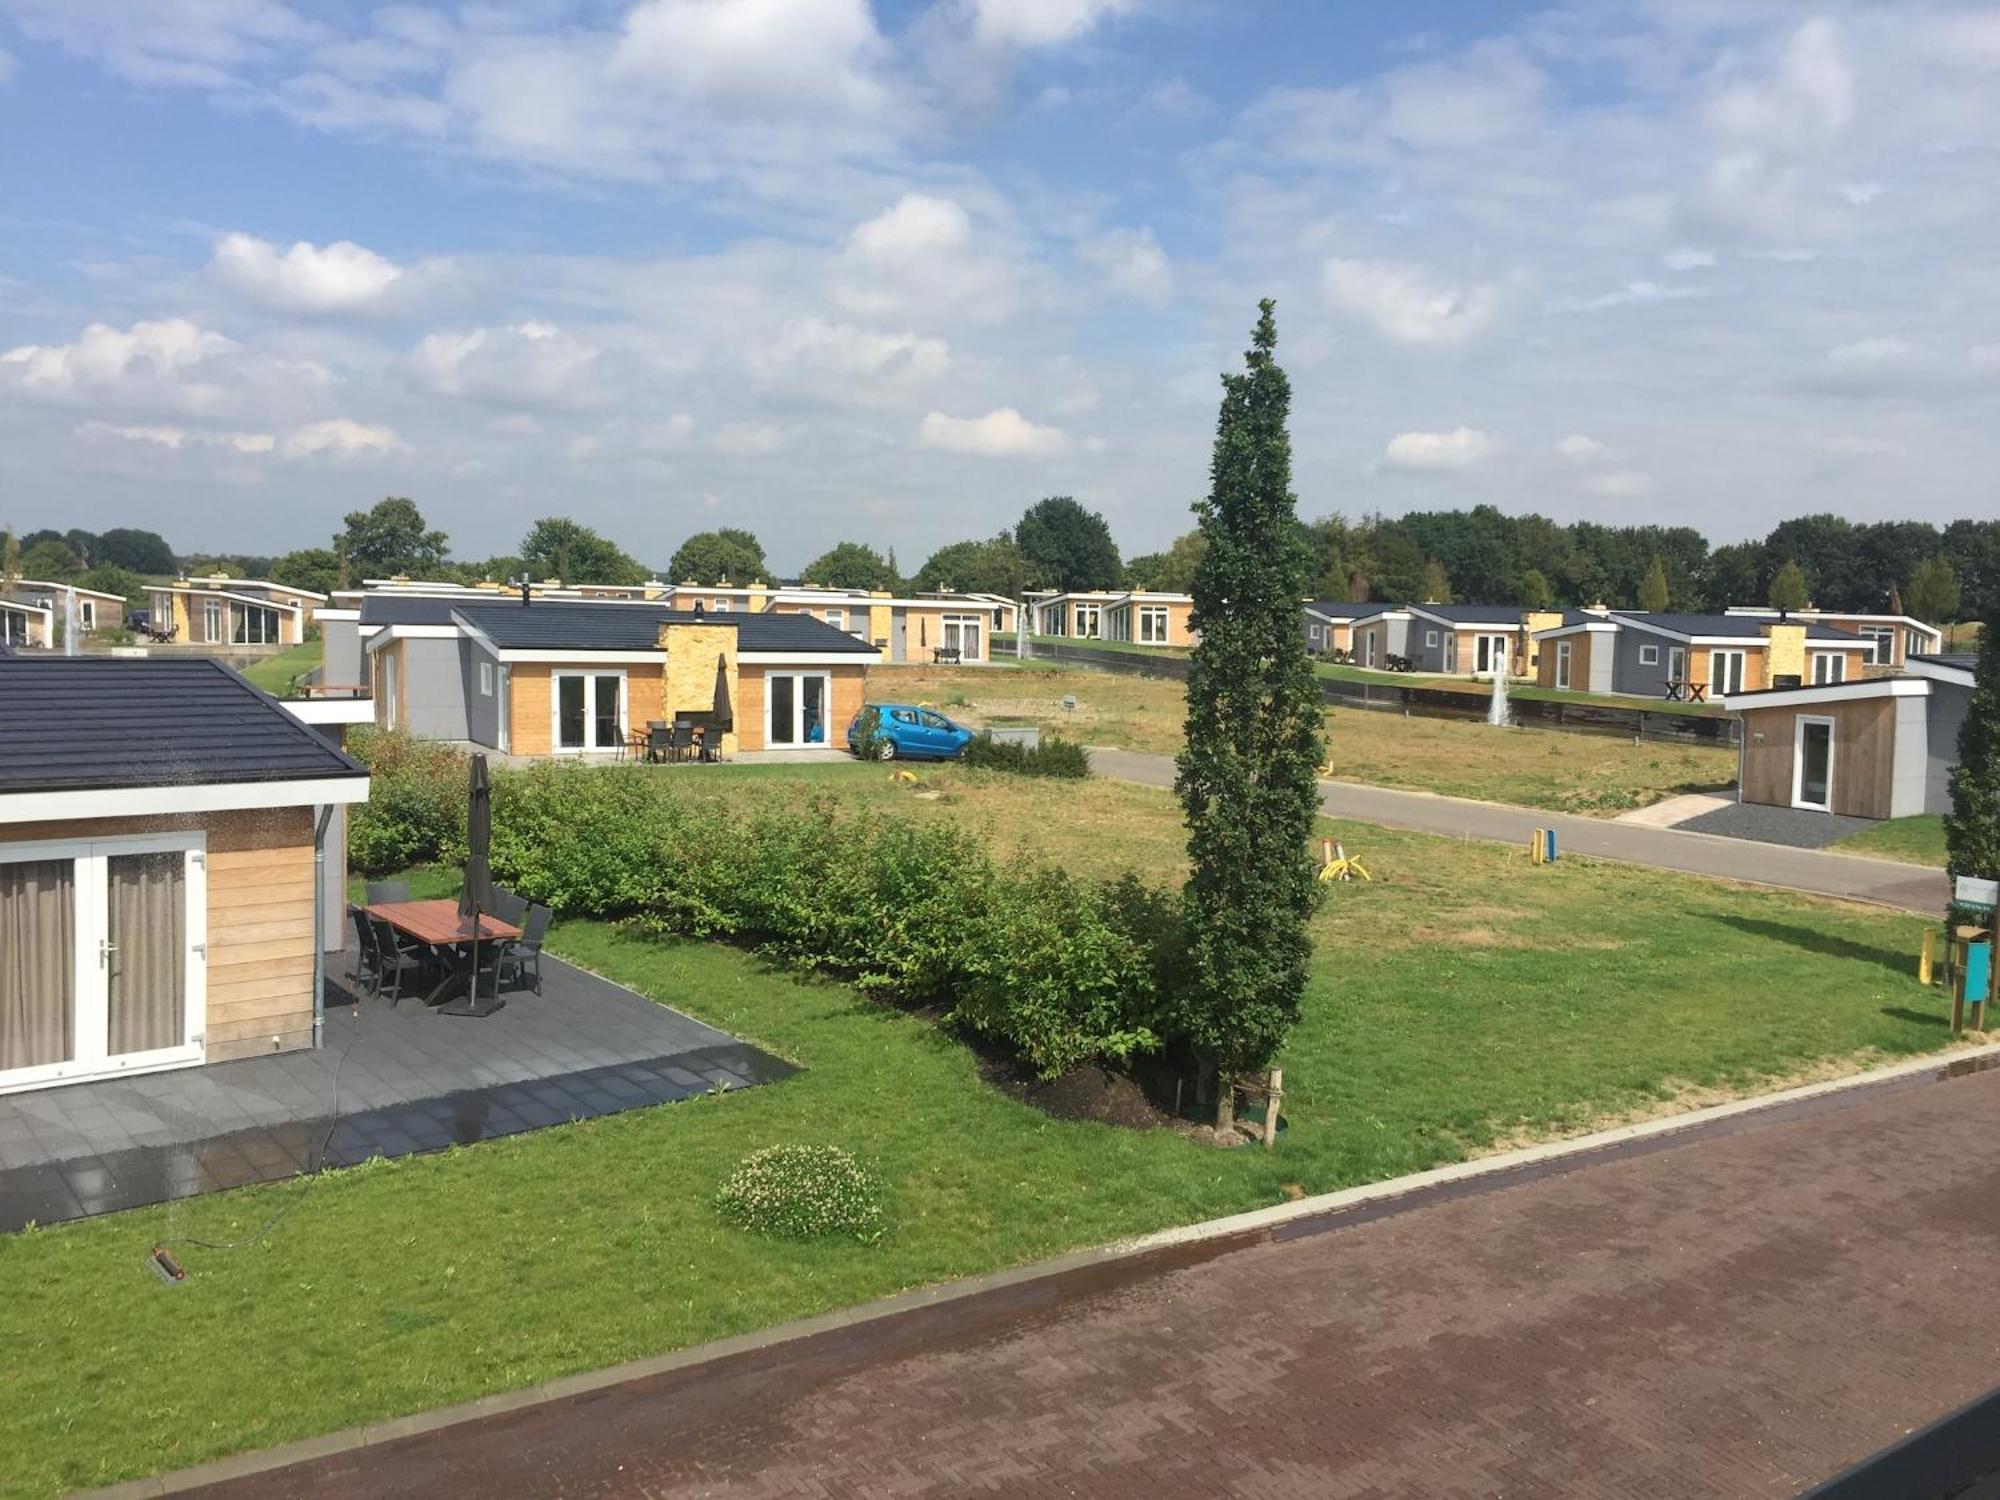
x: 803, y: 1193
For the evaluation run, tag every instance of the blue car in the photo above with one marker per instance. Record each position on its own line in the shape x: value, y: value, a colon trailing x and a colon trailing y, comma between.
x: 902, y: 731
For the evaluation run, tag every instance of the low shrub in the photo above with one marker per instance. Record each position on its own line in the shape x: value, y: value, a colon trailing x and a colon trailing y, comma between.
x: 415, y: 812
x: 1054, y: 756
x: 803, y: 1193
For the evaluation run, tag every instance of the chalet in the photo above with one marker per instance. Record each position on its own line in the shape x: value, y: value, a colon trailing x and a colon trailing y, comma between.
x: 1892, y: 639
x: 1690, y: 655
x: 217, y: 611
x: 1148, y: 617
x: 1862, y: 747
x: 1329, y: 624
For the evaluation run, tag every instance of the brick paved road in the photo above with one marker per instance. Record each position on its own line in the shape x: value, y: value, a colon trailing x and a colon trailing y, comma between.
x: 1736, y: 1316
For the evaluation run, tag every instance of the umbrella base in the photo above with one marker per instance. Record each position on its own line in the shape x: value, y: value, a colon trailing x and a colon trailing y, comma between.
x: 472, y: 1005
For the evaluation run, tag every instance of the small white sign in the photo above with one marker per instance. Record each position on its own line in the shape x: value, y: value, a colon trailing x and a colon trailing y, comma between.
x: 1973, y: 891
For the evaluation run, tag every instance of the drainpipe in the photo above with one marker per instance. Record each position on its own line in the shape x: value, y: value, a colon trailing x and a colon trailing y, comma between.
x: 319, y: 923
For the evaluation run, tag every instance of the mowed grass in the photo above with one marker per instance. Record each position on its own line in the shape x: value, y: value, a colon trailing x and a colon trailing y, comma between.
x: 1916, y: 840
x: 274, y: 674
x: 1581, y: 773
x: 1463, y: 1000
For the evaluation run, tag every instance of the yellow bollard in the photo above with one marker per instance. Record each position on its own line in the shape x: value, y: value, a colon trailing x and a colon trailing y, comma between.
x: 1928, y: 957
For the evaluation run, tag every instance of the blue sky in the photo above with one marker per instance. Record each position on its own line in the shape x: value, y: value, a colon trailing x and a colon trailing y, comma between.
x: 889, y: 273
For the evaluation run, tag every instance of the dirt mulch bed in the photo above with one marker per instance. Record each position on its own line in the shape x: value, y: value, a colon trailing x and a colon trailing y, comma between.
x: 1095, y: 1093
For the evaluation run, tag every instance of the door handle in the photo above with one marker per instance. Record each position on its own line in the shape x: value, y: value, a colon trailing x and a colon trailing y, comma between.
x: 104, y: 951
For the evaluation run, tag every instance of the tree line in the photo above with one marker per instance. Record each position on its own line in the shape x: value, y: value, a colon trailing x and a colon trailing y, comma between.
x: 1481, y: 555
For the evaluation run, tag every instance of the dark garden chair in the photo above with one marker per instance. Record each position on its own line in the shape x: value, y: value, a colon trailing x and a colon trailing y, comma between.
x: 683, y: 741
x: 367, y: 961
x: 384, y: 892
x: 523, y: 956
x: 659, y: 742
x: 507, y: 906
x: 395, y: 961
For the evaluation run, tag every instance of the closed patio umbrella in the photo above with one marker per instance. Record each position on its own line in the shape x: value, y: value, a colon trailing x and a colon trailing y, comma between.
x: 476, y: 896
x: 724, y: 716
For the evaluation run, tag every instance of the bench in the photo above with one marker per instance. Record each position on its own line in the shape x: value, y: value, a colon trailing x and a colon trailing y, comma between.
x: 945, y: 656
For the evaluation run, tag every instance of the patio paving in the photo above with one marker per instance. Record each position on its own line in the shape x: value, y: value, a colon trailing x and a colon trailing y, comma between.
x: 1796, y: 826
x: 388, y: 1081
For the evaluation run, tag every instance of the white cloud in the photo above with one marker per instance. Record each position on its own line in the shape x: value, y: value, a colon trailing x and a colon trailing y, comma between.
x: 1041, y: 23
x: 1404, y: 303
x: 307, y: 278
x: 1806, y: 101
x: 919, y: 258
x: 1459, y: 448
x: 845, y: 363
x: 749, y: 438
x: 105, y: 356
x: 1632, y: 294
x: 1134, y: 263
x: 177, y: 438
x: 918, y: 226
x: 532, y: 366
x: 760, y: 56
x: 1000, y: 433
x: 1859, y: 194
x: 1580, y: 448
x: 340, y: 437
x: 1620, y: 484
x: 1688, y: 258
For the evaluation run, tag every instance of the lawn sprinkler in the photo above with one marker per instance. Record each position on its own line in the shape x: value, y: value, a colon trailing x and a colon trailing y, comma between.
x: 1335, y: 863
x: 903, y: 776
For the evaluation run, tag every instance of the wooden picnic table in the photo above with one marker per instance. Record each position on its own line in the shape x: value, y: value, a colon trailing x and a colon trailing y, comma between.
x: 437, y: 924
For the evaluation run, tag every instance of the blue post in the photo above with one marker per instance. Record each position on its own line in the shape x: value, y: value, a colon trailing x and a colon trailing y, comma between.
x: 1549, y: 854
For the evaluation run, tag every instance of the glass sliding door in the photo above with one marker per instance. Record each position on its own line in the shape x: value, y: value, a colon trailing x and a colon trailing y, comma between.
x: 1725, y: 673
x: 102, y: 957
x: 1812, y: 763
x: 570, y: 726
x: 796, y: 705
x: 608, y: 720
x: 589, y: 711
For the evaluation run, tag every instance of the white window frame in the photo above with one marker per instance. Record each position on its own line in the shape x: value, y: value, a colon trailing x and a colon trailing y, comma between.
x: 1563, y: 657
x: 1881, y: 644
x: 486, y: 679
x: 1371, y: 646
x: 1155, y: 621
x: 1799, y: 723
x: 86, y: 613
x: 1677, y: 663
x: 837, y: 618
x: 386, y: 659
x: 214, y: 621
x: 722, y: 606
x: 1913, y: 643
x: 91, y: 982
x: 798, y: 711
x: 1089, y: 621
x: 1649, y: 654
x: 556, y: 746
x: 1499, y: 652
x: 1430, y: 639
x: 1741, y: 674
x: 1829, y: 666
x: 951, y: 632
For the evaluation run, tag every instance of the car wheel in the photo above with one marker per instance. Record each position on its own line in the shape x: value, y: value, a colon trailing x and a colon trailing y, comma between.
x: 885, y: 749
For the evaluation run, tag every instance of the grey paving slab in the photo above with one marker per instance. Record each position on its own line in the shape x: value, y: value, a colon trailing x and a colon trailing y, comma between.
x: 1793, y: 827
x: 390, y: 1080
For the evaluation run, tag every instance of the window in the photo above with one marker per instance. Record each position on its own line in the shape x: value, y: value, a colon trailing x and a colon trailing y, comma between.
x: 1829, y: 666
x: 486, y: 679
x: 1153, y: 624
x: 86, y: 611
x: 211, y: 619
x: 722, y: 606
x: 837, y: 618
x: 1913, y: 643
x: 106, y: 943
x: 1562, y: 663
x: 1649, y: 656
x: 1725, y: 673
x: 13, y: 627
x: 1812, y: 763
x: 1881, y: 644
x: 1490, y: 653
x: 1677, y: 662
x: 589, y: 711
x: 962, y: 633
x: 1087, y: 618
x: 1316, y: 634
x: 795, y: 708
x: 252, y: 624
x: 1368, y: 647
x: 1430, y: 637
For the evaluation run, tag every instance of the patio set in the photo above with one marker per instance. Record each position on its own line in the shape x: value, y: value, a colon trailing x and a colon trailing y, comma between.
x: 685, y: 739
x: 432, y: 947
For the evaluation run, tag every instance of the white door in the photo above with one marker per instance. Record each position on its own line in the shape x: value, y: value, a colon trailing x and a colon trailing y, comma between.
x: 103, y: 953
x: 1725, y: 673
x: 1812, y: 763
x: 795, y: 708
x: 587, y: 712
x: 388, y: 661
x: 1677, y: 663
x: 1562, y: 663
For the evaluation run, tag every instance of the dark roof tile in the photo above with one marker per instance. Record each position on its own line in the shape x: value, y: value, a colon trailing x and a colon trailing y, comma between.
x: 566, y: 626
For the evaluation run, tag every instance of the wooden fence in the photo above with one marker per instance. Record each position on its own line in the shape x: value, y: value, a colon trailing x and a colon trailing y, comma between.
x: 1427, y: 702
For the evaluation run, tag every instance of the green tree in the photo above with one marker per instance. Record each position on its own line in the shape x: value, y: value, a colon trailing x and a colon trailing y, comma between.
x: 1171, y: 571
x: 1536, y: 592
x: 109, y: 578
x: 1436, y: 583
x: 1730, y: 576
x: 50, y: 560
x: 712, y: 556
x: 991, y: 567
x: 83, y: 544
x: 1972, y: 827
x: 852, y: 565
x: 1933, y: 592
x: 1653, y: 587
x: 141, y: 551
x: 1247, y: 776
x: 558, y: 547
x: 1788, y: 588
x: 391, y: 538
x: 1067, y: 547
x: 314, y: 568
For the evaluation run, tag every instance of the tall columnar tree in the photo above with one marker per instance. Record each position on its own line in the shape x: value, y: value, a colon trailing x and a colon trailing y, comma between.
x: 1653, y: 587
x: 1788, y: 588
x: 1536, y: 592
x: 1248, y: 773
x: 1436, y: 583
x: 1972, y: 827
x: 1933, y: 592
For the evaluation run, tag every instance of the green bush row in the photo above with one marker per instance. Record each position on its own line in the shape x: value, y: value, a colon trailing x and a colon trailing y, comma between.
x: 1061, y: 970
x: 1054, y: 756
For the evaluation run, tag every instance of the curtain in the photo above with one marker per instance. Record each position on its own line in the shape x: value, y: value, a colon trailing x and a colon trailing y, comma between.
x: 37, y: 962
x: 148, y: 931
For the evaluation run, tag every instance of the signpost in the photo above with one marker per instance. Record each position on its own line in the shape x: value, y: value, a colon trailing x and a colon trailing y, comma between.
x: 1973, y: 953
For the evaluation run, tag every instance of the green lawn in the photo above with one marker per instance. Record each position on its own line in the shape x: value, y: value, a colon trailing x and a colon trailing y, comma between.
x: 1463, y: 1000
x: 1916, y: 841
x: 274, y: 674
